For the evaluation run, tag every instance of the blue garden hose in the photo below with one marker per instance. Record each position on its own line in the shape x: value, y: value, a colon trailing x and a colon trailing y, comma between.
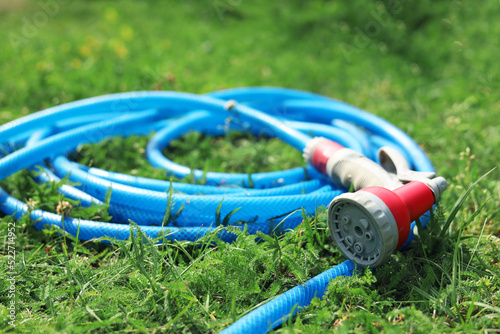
x: 265, y: 201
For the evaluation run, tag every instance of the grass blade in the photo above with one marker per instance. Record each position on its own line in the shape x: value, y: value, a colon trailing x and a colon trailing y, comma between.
x: 459, y: 204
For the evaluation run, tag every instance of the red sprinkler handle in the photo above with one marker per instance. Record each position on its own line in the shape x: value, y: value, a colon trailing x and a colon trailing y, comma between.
x: 370, y: 224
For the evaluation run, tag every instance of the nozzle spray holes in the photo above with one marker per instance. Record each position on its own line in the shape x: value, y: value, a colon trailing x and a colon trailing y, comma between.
x: 358, y: 247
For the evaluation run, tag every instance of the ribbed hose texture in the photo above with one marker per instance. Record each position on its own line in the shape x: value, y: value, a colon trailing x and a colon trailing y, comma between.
x: 274, y: 312
x: 265, y: 201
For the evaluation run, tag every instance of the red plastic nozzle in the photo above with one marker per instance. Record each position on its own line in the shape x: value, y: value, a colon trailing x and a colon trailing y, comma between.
x: 347, y: 167
x: 406, y: 204
x: 322, y: 153
x: 370, y: 224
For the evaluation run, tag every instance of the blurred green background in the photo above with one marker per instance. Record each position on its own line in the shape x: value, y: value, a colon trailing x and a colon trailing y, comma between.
x: 429, y: 67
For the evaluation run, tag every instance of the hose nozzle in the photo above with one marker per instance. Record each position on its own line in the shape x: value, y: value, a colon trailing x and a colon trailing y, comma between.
x: 370, y: 224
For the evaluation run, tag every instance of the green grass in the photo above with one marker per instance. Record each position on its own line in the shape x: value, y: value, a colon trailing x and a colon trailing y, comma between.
x: 430, y: 68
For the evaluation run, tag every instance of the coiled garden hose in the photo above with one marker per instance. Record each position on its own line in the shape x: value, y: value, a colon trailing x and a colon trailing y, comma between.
x: 367, y: 225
